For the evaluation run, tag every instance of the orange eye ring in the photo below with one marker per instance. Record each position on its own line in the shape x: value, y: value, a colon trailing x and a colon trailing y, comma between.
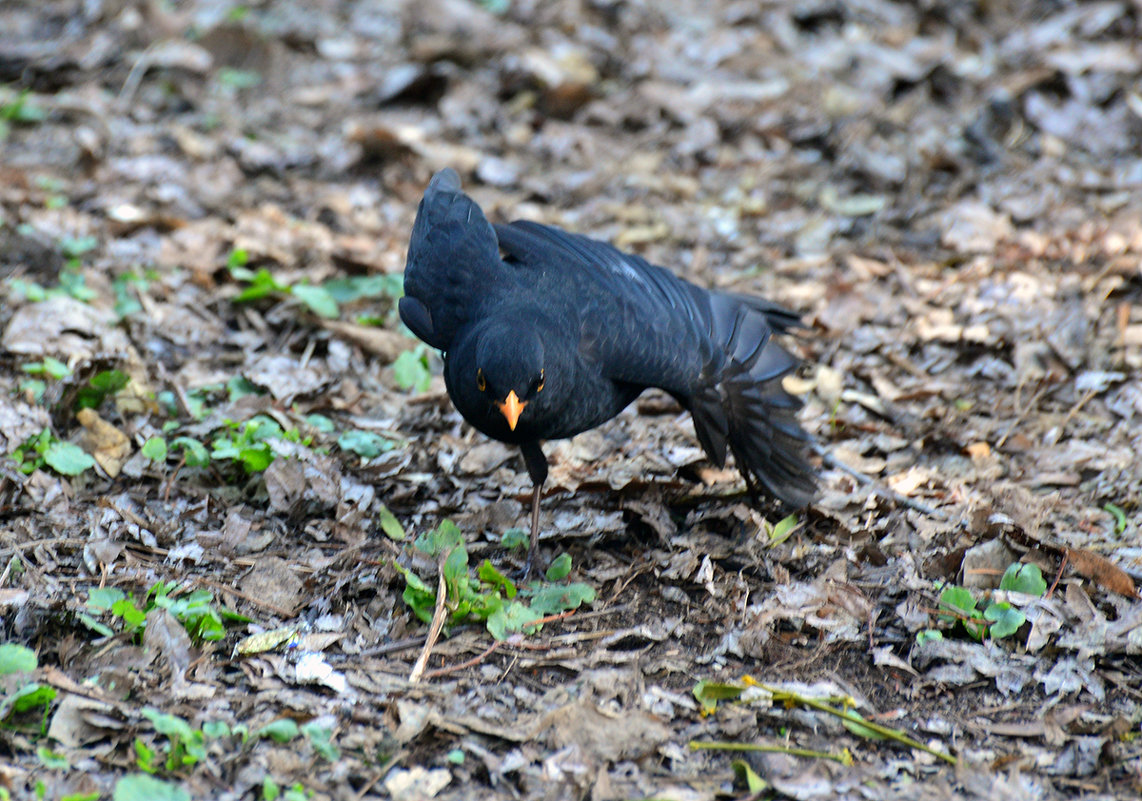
x: 539, y: 384
x: 481, y: 382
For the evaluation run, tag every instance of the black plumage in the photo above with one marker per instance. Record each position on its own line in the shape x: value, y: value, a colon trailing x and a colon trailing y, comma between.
x: 547, y: 334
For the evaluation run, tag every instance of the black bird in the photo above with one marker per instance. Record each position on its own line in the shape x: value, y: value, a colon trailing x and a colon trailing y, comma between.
x: 547, y: 334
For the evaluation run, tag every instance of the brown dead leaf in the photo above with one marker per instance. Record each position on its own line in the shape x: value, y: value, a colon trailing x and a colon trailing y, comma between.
x: 108, y: 445
x: 1102, y: 571
x: 978, y: 450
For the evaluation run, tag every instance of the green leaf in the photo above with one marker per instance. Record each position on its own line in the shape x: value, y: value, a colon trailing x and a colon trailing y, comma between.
x: 256, y: 459
x: 240, y: 387
x: 410, y: 370
x: 194, y: 451
x: 68, y: 459
x: 93, y: 624
x: 321, y: 423
x: 560, y: 567
x: 391, y: 526
x: 318, y: 299
x: 102, y: 599
x: 557, y: 598
x: 455, y: 566
x: 145, y: 756
x: 270, y: 789
x: 15, y: 658
x: 928, y: 635
x: 215, y: 729
x: 859, y: 730
x: 1024, y: 578
x: 262, y: 284
x: 455, y: 756
x: 321, y: 738
x: 99, y: 387
x: 141, y: 787
x: 745, y: 776
x: 51, y: 759
x: 1005, y: 618
x: 170, y: 725
x: 510, y: 618
x: 960, y: 600
x: 55, y: 368
x: 709, y: 693
x: 440, y: 540
x: 93, y: 796
x: 515, y: 538
x: 155, y: 449
x: 34, y: 387
x: 1119, y: 517
x: 490, y: 575
x: 74, y: 247
x: 347, y: 290
x: 365, y: 444
x: 281, y: 730
x: 783, y: 529
x: 238, y: 258
x: 30, y: 696
x: 133, y: 617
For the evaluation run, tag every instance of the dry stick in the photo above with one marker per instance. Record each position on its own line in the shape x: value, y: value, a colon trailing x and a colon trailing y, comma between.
x: 1090, y: 393
x: 1023, y: 414
x: 1059, y: 575
x: 888, y: 492
x: 491, y: 648
x: 433, y: 630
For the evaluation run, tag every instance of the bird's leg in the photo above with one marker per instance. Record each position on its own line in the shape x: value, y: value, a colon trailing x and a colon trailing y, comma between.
x: 536, y: 468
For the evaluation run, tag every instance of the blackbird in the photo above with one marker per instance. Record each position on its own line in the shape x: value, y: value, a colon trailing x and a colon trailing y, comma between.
x: 546, y: 334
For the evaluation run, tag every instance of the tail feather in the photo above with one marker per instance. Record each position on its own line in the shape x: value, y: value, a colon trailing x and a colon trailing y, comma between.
x: 744, y: 409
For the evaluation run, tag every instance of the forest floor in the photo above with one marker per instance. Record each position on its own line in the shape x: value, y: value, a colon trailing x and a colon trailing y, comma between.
x: 218, y: 428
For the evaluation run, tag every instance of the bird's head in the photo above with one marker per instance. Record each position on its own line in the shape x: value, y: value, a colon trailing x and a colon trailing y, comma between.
x: 508, y: 370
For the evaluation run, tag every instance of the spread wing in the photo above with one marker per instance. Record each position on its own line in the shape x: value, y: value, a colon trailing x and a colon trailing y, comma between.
x: 714, y: 351
x: 645, y: 325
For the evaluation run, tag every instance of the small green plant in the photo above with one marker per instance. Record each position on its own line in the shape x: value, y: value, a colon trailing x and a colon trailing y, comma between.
x: 490, y: 596
x: 203, y: 620
x: 366, y: 444
x: 185, y: 747
x: 18, y: 109
x: 262, y: 284
x: 144, y: 787
x: 99, y: 387
x: 66, y: 458
x: 18, y: 696
x: 410, y: 370
x: 1119, y: 517
x: 250, y: 444
x: 998, y: 619
x: 52, y: 368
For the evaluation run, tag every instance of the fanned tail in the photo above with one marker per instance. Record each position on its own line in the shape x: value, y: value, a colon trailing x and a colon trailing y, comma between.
x: 744, y: 406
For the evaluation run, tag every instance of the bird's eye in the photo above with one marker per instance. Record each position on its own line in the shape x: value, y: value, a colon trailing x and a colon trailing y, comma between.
x: 538, y: 385
x: 481, y: 382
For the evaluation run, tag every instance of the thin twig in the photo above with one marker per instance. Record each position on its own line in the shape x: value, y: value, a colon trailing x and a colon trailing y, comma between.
x: 432, y: 674
x: 887, y: 492
x: 1026, y: 410
x: 1062, y: 567
x: 433, y: 630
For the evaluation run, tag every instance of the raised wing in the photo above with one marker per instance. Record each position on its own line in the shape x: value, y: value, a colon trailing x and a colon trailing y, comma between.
x: 645, y: 325
x: 453, y: 259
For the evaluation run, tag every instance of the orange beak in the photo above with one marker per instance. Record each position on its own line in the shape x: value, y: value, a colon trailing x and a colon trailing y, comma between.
x: 512, y: 407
